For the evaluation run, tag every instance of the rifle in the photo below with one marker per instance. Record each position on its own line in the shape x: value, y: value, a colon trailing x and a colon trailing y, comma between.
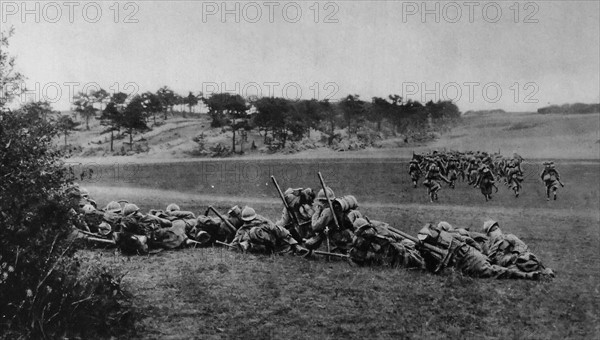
x: 210, y: 207
x: 318, y: 252
x: 330, y: 208
x: 88, y: 236
x: 224, y: 244
x: 415, y: 240
x: 293, y: 231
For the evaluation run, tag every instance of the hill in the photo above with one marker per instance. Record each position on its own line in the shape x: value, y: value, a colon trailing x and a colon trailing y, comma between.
x: 533, y: 135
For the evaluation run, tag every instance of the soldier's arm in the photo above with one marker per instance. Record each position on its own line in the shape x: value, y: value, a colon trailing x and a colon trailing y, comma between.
x: 285, y: 218
x: 282, y: 234
x: 321, y: 220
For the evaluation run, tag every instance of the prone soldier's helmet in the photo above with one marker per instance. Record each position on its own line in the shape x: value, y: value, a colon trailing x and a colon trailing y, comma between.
x: 428, y: 233
x: 321, y: 195
x: 488, y: 225
x: 445, y: 226
x: 104, y: 228
x: 359, y: 223
x: 172, y: 207
x: 88, y: 209
x: 130, y: 208
x: 354, y: 215
x: 84, y: 193
x: 235, y: 211
x: 307, y: 196
x: 248, y: 214
x: 113, y: 207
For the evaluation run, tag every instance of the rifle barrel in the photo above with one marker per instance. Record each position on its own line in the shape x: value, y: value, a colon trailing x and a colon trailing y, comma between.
x: 318, y: 252
x: 415, y: 240
x: 221, y: 217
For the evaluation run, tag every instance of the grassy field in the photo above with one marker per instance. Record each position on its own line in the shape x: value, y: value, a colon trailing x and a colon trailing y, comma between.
x: 218, y: 294
x: 565, y: 136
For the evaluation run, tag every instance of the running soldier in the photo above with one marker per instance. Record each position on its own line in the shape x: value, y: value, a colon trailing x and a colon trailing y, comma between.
x: 507, y: 250
x: 452, y: 168
x: 414, y: 171
x: 551, y: 179
x: 486, y: 182
x: 514, y: 176
x: 375, y: 244
x: 432, y: 179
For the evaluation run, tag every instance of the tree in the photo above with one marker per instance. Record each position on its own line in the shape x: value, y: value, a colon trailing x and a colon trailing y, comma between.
x: 133, y: 118
x: 270, y: 115
x: 112, y: 116
x: 227, y: 108
x: 168, y: 99
x: 65, y: 125
x: 100, y: 97
x: 353, y: 111
x: 191, y: 100
x: 84, y: 105
x: 44, y: 291
x: 380, y: 108
x: 152, y: 104
x: 8, y: 75
x: 330, y: 117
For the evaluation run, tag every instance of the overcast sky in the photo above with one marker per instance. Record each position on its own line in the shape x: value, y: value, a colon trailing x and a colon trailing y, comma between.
x: 534, y: 53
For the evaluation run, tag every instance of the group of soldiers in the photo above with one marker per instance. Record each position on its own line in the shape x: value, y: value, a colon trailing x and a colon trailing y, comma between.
x: 479, y: 169
x: 312, y: 225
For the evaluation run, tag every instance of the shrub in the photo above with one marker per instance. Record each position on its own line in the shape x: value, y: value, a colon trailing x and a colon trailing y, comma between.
x: 43, y: 292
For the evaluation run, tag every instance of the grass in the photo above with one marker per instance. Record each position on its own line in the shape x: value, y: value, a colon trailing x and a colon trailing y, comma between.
x: 217, y: 294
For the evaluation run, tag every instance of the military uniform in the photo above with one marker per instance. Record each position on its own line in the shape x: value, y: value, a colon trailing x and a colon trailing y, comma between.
x: 463, y: 257
x: 507, y: 250
x: 323, y: 226
x: 551, y: 179
x: 432, y: 179
x: 374, y: 243
x: 260, y: 235
x: 414, y: 171
x: 300, y: 202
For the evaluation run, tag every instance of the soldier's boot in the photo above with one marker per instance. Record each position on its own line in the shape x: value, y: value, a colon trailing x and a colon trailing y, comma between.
x: 555, y: 194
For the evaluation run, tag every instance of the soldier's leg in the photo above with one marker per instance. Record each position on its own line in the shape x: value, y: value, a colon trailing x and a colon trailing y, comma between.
x: 476, y: 264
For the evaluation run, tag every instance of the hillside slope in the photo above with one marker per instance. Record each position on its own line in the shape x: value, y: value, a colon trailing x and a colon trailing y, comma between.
x: 574, y: 136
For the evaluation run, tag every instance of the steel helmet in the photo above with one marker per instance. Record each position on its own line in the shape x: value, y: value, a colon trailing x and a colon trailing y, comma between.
x: 248, y: 214
x: 104, y: 228
x: 354, y: 215
x: 84, y: 192
x: 321, y: 195
x: 445, y: 226
x: 487, y: 226
x: 88, y: 209
x: 113, y: 207
x: 172, y: 207
x: 360, y: 222
x: 427, y: 232
x: 234, y: 211
x: 308, y: 195
x: 130, y: 208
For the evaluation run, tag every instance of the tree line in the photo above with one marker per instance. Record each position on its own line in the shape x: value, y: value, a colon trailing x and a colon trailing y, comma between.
x: 279, y: 120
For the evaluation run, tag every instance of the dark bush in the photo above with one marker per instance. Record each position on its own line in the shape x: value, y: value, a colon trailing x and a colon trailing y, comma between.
x: 43, y: 290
